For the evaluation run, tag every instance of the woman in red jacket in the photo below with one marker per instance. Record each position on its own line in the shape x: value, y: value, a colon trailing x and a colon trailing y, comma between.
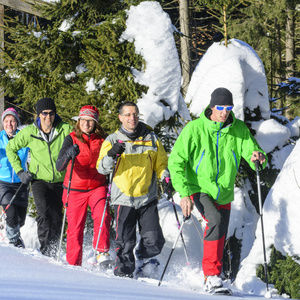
x: 88, y: 187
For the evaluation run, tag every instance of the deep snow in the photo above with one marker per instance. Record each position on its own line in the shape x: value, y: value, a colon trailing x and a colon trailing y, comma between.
x: 26, y: 274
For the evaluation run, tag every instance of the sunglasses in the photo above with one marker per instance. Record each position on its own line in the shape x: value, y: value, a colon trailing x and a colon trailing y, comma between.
x: 46, y: 113
x: 228, y: 108
x: 129, y: 115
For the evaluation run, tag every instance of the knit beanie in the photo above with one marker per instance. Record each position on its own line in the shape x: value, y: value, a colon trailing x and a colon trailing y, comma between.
x: 44, y: 104
x: 220, y: 96
x: 88, y: 111
x: 13, y: 112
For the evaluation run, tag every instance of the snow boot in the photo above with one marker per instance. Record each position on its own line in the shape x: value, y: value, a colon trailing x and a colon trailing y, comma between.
x: 104, y: 260
x: 214, y: 285
x: 102, y: 257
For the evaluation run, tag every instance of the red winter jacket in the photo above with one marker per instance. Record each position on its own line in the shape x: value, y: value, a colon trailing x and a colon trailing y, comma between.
x: 85, y: 175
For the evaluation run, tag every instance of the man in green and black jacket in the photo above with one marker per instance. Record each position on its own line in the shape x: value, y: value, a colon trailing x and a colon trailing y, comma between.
x: 44, y: 138
x: 203, y: 165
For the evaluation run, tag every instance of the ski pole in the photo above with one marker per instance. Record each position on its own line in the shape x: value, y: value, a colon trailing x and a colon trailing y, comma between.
x: 106, y: 203
x: 178, y: 224
x: 257, y: 163
x: 10, y: 202
x: 172, y: 250
x: 65, y: 209
x: 194, y: 222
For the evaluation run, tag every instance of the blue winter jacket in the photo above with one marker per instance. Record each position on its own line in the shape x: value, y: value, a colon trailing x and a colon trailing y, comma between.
x: 7, y: 173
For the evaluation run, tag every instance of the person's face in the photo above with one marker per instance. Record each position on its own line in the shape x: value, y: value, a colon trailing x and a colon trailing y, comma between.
x: 47, y: 119
x: 10, y: 125
x: 129, y: 118
x: 86, y: 125
x: 220, y: 113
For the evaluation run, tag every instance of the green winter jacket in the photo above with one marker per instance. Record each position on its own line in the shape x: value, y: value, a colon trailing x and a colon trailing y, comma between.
x: 43, y: 154
x: 206, y: 157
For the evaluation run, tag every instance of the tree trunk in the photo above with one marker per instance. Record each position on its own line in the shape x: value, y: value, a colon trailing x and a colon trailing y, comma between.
x: 281, y: 74
x: 225, y: 25
x: 1, y: 47
x: 185, y: 44
x: 290, y: 39
x: 290, y: 47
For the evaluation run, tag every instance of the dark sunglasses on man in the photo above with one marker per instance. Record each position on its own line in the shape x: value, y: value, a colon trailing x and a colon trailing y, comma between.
x: 46, y: 113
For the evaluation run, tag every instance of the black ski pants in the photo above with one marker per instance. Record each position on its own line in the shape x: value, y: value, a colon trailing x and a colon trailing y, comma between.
x: 16, y: 213
x: 48, y: 201
x: 152, y: 239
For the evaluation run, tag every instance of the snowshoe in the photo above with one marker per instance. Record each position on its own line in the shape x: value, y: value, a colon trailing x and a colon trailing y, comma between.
x: 221, y: 291
x: 17, y: 243
x: 147, y: 268
x: 119, y: 273
x: 107, y: 264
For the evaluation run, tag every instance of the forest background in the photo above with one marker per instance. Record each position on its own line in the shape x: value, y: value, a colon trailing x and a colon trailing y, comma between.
x: 58, y: 63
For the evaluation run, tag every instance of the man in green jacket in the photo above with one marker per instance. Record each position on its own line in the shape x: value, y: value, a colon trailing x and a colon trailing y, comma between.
x: 44, y: 138
x: 203, y: 165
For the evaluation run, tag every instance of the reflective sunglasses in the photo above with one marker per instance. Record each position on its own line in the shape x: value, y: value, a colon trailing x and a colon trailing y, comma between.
x: 228, y: 108
x: 46, y: 113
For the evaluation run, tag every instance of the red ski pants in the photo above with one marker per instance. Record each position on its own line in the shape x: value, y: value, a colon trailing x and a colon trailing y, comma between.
x: 217, y: 217
x: 76, y: 217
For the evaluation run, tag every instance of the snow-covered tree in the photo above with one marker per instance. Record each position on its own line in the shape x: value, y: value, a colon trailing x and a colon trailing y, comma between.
x: 75, y: 57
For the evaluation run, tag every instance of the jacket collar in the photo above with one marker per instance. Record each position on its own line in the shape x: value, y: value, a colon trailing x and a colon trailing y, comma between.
x: 141, y: 130
x: 217, y: 126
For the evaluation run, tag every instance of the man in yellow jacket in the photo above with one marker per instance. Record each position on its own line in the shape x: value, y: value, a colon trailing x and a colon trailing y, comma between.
x: 136, y: 158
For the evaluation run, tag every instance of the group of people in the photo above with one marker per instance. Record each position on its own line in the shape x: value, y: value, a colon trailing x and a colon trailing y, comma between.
x: 79, y: 168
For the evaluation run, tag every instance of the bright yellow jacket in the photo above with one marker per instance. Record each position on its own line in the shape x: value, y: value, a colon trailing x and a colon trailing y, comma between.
x: 136, y: 170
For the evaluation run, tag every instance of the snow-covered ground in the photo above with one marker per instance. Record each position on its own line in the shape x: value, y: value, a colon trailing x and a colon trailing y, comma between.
x: 26, y: 274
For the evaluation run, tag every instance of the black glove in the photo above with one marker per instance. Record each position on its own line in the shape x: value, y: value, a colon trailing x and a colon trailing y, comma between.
x: 72, y: 151
x: 117, y: 149
x: 168, y: 187
x: 25, y: 177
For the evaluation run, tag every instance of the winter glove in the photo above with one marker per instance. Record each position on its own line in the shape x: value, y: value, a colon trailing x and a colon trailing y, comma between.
x: 168, y: 187
x: 72, y: 151
x: 25, y: 177
x: 117, y: 149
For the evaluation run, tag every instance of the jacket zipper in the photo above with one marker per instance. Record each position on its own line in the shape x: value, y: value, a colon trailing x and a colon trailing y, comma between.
x: 51, y: 160
x: 200, y: 161
x: 48, y: 143
x: 218, y: 164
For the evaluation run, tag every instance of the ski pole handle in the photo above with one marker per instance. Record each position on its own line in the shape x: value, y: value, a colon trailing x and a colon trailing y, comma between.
x: 185, y: 218
x: 257, y: 164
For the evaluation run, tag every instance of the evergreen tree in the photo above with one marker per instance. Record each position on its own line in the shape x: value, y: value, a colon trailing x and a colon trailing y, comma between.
x: 222, y: 11
x: 264, y: 26
x: 75, y: 58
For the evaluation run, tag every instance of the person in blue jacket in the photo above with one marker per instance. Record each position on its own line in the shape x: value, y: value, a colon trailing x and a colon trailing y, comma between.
x: 10, y: 182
